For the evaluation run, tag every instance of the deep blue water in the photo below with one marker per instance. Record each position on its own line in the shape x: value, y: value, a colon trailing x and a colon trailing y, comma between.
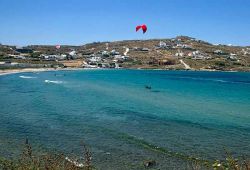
x: 194, y: 113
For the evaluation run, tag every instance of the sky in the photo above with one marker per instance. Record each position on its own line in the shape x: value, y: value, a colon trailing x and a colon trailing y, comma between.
x: 76, y: 22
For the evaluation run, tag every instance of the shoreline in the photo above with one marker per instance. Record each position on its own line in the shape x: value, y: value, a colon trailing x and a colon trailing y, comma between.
x: 26, y: 70
x: 15, y: 71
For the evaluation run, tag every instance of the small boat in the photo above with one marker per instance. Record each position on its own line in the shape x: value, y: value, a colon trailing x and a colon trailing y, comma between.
x: 148, y: 87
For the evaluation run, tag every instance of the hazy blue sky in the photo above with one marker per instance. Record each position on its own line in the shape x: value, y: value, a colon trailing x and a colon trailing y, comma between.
x: 77, y: 22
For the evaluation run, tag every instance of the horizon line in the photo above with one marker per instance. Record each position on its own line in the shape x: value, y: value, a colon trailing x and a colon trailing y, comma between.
x: 111, y: 41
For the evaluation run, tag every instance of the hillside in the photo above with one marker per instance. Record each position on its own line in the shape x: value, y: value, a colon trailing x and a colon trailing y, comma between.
x: 181, y: 52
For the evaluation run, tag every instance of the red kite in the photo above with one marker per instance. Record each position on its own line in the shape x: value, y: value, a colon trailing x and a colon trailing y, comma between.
x: 58, y: 46
x: 143, y: 27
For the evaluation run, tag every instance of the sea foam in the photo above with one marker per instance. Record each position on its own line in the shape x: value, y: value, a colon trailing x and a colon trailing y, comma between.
x: 27, y: 77
x: 54, y: 82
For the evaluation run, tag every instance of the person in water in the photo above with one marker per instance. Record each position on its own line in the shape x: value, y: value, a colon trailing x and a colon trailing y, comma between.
x: 148, y: 87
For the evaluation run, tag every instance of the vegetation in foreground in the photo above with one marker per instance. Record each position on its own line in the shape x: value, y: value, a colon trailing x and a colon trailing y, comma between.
x: 54, y: 161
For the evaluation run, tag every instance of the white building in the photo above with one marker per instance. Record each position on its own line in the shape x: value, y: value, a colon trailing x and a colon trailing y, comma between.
x: 120, y: 57
x: 218, y: 52
x: 197, y: 55
x: 232, y: 57
x: 246, y: 51
x: 114, y: 52
x: 61, y: 57
x: 20, y: 57
x: 162, y: 44
x: 179, y: 54
x: 95, y: 59
x: 145, y: 49
x: 105, y: 53
x: 53, y: 57
x: 17, y: 56
x: 72, y: 53
x: 183, y: 46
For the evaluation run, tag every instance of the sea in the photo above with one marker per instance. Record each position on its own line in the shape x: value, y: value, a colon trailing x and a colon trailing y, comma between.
x: 127, y: 117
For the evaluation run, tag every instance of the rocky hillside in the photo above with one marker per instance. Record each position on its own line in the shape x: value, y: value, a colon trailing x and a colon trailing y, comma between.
x: 181, y: 52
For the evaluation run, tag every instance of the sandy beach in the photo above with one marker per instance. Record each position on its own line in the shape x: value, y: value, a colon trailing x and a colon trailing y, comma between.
x: 14, y: 71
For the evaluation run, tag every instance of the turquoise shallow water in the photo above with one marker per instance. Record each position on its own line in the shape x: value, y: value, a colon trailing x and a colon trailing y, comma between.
x: 193, y: 113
